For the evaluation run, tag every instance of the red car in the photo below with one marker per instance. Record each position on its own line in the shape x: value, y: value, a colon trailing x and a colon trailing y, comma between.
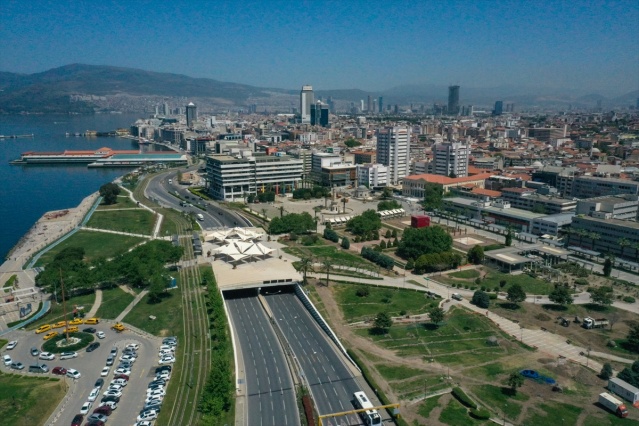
x: 59, y: 370
x: 105, y: 409
x: 77, y: 420
x: 121, y: 376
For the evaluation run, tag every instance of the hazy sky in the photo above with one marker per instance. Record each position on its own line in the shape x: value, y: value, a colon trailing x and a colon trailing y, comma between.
x: 372, y: 45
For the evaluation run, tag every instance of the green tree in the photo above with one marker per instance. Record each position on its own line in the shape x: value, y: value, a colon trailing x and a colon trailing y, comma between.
x: 509, y: 238
x: 304, y: 265
x: 326, y: 263
x: 436, y: 315
x: 388, y: 234
x: 367, y: 222
x: 630, y: 375
x: 433, y: 194
x: 606, y: 371
x: 419, y: 241
x: 387, y: 193
x: 346, y: 244
x: 561, y: 295
x: 157, y: 288
x: 516, y: 294
x: 602, y: 295
x: 515, y: 380
x: 632, y: 339
x: 410, y: 264
x: 352, y: 143
x: 382, y: 244
x: 607, y: 267
x: 382, y: 322
x: 481, y: 299
x: 388, y: 205
x: 476, y: 255
x: 109, y: 193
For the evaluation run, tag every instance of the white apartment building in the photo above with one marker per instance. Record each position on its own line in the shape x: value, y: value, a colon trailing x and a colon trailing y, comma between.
x: 451, y: 158
x: 393, y: 149
x: 306, y: 100
x: 231, y: 178
x: 372, y: 175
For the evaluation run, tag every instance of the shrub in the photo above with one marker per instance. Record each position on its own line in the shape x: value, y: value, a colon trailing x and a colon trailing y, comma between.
x: 481, y: 299
x: 480, y: 414
x: 331, y: 235
x: 378, y: 258
x: 463, y: 398
x: 345, y: 243
x: 477, y: 280
x: 581, y: 281
x: 362, y: 291
x: 309, y: 240
x: 50, y: 345
x: 492, y: 296
x: 629, y: 299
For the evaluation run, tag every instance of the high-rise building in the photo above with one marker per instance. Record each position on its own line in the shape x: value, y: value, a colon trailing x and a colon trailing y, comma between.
x: 191, y: 114
x: 499, y: 108
x: 451, y: 159
x: 453, y: 100
x: 306, y: 100
x: 393, y: 149
x: 319, y: 114
x: 369, y: 105
x: 380, y: 104
x: 167, y: 110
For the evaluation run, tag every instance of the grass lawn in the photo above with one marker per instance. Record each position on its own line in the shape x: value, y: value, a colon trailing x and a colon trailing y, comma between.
x: 397, y: 372
x: 428, y: 405
x: 168, y: 313
x: 3, y: 342
x: 57, y: 311
x: 95, y: 244
x: 456, y: 414
x: 114, y: 300
x: 341, y: 257
x: 380, y: 299
x: 553, y: 413
x: 168, y: 227
x: 494, y: 397
x: 492, y: 279
x: 604, y: 418
x: 124, y: 202
x: 28, y: 400
x: 134, y: 221
x: 469, y: 273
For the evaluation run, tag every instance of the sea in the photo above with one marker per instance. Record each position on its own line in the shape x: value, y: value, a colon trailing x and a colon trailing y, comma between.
x: 27, y: 192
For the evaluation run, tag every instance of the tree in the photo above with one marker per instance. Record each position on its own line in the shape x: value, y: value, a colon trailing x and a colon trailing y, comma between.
x: 382, y: 322
x: 481, y: 299
x: 419, y: 241
x: 607, y: 267
x: 331, y: 235
x: 433, y: 194
x: 623, y: 243
x: 387, y: 193
x: 410, y: 264
x: 630, y: 375
x: 606, y: 371
x: 515, y: 380
x: 561, y: 295
x: 352, y: 143
x: 516, y: 294
x: 346, y: 244
x: 388, y: 205
x: 436, y: 315
x: 382, y: 244
x: 109, y: 193
x: 509, y: 238
x: 305, y: 265
x: 476, y: 255
x: 367, y: 222
x: 326, y: 263
x: 602, y: 295
x: 632, y: 339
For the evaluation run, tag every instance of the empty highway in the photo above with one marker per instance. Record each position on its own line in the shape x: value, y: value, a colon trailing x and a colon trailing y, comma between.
x: 270, y: 392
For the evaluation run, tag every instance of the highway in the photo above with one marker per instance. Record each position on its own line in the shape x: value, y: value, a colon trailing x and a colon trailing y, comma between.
x: 215, y: 216
x: 270, y: 392
x: 331, y: 383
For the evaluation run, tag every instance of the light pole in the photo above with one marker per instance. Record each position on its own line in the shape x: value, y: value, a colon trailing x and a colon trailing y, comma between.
x: 521, y: 333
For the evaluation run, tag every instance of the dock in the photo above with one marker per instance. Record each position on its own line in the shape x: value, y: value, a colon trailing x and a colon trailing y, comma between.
x: 16, y: 136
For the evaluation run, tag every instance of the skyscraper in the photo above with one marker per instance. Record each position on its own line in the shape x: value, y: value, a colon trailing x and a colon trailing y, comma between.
x: 451, y: 159
x: 499, y: 108
x: 319, y: 114
x: 380, y: 103
x: 306, y: 100
x: 393, y: 149
x: 453, y: 100
x: 167, y: 110
x: 191, y: 114
x: 369, y: 105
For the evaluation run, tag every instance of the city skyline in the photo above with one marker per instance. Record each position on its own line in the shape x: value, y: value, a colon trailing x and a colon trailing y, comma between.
x: 480, y: 44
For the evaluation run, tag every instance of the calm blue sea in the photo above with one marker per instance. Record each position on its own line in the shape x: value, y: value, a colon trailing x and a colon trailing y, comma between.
x: 27, y: 192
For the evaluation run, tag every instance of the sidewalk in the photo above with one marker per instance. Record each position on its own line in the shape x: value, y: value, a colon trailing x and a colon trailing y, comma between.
x: 131, y: 305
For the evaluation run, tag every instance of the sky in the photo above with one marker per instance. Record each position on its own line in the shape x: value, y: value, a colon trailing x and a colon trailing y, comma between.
x: 586, y: 46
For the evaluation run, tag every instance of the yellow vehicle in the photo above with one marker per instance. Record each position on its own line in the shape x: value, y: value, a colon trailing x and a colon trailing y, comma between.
x: 73, y: 329
x: 76, y: 321
x: 92, y: 321
x: 118, y: 327
x: 50, y: 335
x: 59, y: 324
x: 43, y: 328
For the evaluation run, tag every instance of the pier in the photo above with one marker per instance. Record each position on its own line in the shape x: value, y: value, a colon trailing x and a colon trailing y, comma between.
x: 16, y: 136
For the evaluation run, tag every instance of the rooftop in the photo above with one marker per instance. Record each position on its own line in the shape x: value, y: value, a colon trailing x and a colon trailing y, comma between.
x: 445, y: 180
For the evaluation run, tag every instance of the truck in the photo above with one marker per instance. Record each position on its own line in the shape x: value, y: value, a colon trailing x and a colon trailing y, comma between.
x: 613, y: 404
x: 594, y: 323
x: 624, y: 389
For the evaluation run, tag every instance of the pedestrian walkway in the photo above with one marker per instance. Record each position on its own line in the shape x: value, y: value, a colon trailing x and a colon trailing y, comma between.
x: 96, y: 304
x: 110, y: 231
x: 131, y: 305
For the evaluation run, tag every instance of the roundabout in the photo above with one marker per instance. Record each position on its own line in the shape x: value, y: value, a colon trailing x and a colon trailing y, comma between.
x: 76, y: 342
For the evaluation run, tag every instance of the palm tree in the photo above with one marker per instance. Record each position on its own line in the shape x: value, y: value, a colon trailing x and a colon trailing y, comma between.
x: 281, y: 211
x: 594, y: 236
x: 326, y: 263
x: 624, y: 242
x: 344, y: 201
x: 305, y: 264
x: 636, y: 247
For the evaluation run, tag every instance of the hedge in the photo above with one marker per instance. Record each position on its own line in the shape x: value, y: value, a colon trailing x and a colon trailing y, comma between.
x: 50, y: 345
x: 629, y: 299
x: 463, y: 398
x: 480, y: 413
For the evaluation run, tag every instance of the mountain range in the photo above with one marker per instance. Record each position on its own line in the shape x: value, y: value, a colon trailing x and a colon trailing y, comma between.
x: 76, y: 88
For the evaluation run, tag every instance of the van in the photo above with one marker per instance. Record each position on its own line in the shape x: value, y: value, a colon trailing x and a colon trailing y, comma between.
x: 200, y: 216
x: 38, y: 368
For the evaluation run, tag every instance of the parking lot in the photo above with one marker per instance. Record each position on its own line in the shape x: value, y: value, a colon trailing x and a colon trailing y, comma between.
x: 90, y: 365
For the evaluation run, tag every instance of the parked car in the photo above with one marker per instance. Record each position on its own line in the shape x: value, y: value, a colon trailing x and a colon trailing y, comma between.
x: 100, y: 417
x: 92, y: 321
x: 148, y: 415
x: 94, y: 394
x: 123, y: 371
x: 128, y: 358
x: 121, y: 376
x: 133, y: 346
x: 104, y: 409
x: 38, y: 368
x: 99, y: 383
x: 105, y: 371
x: 113, y: 393
x: 120, y: 382
x: 47, y: 356
x: 100, y: 335
x: 89, y: 330
x: 76, y: 321
x: 35, y: 352
x: 93, y: 346
x: 114, y: 351
x: 17, y: 366
x: 43, y: 328
x: 110, y: 360
x: 163, y: 375
x: 167, y: 360
x: 163, y: 368
x: 86, y: 407
x: 77, y: 420
x: 94, y: 423
x: 153, y: 406
x: 68, y: 355
x: 59, y: 324
x: 110, y: 398
x: 12, y: 344
x: 7, y: 360
x: 111, y: 404
x: 50, y: 335
x: 74, y: 374
x: 59, y: 371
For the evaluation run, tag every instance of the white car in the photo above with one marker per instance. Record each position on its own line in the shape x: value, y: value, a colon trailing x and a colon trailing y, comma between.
x: 167, y: 348
x: 7, y: 360
x: 157, y: 392
x: 117, y: 388
x: 86, y: 407
x: 125, y: 371
x: 74, y: 374
x: 12, y: 344
x: 148, y: 415
x: 133, y: 346
x: 128, y: 358
x: 100, y: 335
x: 105, y: 371
x: 46, y: 355
x: 143, y: 423
x: 163, y: 375
x: 154, y: 400
x: 94, y: 394
x: 112, y: 393
x: 68, y: 355
x: 120, y: 382
x: 167, y: 360
x: 111, y: 404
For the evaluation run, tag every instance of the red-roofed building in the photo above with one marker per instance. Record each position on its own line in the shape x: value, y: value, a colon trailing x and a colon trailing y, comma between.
x: 413, y: 186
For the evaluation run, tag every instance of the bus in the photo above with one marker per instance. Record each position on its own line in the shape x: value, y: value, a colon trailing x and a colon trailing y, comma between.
x: 370, y: 416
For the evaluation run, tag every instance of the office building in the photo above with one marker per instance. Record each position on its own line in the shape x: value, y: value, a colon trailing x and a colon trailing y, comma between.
x: 380, y: 104
x: 624, y: 207
x: 319, y: 114
x: 191, y: 115
x: 499, y: 108
x: 364, y: 157
x: 589, y: 187
x: 306, y: 101
x: 413, y: 186
x: 369, y: 104
x: 372, y: 175
x: 531, y: 200
x: 453, y: 100
x: 166, y: 110
x: 451, y: 159
x: 234, y: 177
x: 393, y: 149
x: 547, y: 134
x: 610, y: 233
